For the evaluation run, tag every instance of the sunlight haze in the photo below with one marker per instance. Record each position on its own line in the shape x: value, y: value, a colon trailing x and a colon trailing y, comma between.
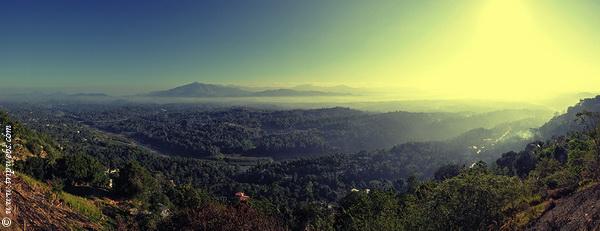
x: 510, y: 50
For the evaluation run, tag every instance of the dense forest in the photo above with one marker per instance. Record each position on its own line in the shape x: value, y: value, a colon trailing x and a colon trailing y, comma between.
x: 450, y: 182
x: 305, y: 115
x: 204, y: 131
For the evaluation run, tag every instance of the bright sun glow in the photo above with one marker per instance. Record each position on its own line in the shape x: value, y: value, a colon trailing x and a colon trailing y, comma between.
x: 508, y: 56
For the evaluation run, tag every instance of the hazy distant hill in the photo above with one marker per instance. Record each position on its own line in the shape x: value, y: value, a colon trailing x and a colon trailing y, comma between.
x: 194, y: 131
x: 289, y: 92
x: 561, y: 125
x: 89, y: 95
x: 196, y: 89
x: 212, y: 90
x: 562, y: 101
x: 336, y: 89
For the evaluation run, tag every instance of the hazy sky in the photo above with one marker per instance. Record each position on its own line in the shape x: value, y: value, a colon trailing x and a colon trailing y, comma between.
x: 460, y: 49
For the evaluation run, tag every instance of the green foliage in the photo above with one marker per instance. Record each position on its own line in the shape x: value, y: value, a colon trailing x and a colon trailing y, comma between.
x: 474, y: 200
x: 316, y: 217
x: 264, y: 206
x: 57, y: 184
x: 134, y: 182
x: 447, y: 171
x: 37, y: 167
x: 517, y: 164
x: 561, y: 179
x: 544, y: 168
x: 376, y: 210
x: 186, y: 196
x: 30, y: 181
x: 83, y: 169
x: 35, y: 142
x: 81, y: 205
x: 304, y: 193
x: 582, y: 159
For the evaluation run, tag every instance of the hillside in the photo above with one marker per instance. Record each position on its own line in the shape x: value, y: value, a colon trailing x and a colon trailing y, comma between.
x: 579, y: 211
x: 185, y: 130
x: 58, y: 188
x: 300, y: 115
x: 573, y: 119
x: 409, y: 186
x: 37, y: 207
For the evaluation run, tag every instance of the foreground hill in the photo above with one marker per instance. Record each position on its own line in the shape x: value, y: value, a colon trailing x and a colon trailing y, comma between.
x: 37, y: 207
x: 579, y: 211
x: 58, y: 188
x: 433, y: 185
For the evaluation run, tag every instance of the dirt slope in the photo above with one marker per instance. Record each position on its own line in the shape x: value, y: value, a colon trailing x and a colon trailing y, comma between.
x: 580, y: 211
x: 35, y: 207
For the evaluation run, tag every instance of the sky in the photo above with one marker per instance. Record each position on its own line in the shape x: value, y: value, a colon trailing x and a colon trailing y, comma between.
x: 484, y: 49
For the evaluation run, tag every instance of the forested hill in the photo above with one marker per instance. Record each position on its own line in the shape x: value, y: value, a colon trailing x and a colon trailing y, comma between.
x: 59, y: 186
x: 577, y: 118
x: 207, y: 132
x: 412, y: 186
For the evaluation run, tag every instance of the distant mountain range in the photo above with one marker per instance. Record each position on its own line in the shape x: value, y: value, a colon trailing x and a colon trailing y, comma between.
x: 213, y: 90
x: 336, y: 89
x: 89, y: 95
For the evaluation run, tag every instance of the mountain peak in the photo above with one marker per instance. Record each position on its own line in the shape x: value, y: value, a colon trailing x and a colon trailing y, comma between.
x: 197, y: 89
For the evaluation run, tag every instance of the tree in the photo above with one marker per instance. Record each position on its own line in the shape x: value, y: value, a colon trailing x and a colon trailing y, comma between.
x: 186, y: 196
x: 82, y: 169
x: 474, y: 200
x: 35, y: 166
x: 519, y: 164
x: 525, y: 163
x: 376, y: 210
x: 591, y: 124
x: 134, y: 182
x: 315, y: 216
x: 447, y: 171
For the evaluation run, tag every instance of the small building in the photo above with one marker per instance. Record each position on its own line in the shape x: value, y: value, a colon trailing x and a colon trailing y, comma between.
x: 358, y: 190
x: 242, y: 196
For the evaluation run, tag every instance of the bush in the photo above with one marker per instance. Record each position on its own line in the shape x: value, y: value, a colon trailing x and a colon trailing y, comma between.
x: 447, y: 171
x: 82, y: 169
x: 474, y: 200
x: 134, y: 182
x: 377, y: 210
x: 83, y: 206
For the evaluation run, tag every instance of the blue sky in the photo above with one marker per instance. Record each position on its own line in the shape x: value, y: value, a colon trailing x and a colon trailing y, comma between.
x: 465, y: 49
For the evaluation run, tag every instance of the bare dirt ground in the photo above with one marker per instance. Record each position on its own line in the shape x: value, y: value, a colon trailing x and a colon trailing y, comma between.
x: 34, y: 207
x: 580, y: 211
